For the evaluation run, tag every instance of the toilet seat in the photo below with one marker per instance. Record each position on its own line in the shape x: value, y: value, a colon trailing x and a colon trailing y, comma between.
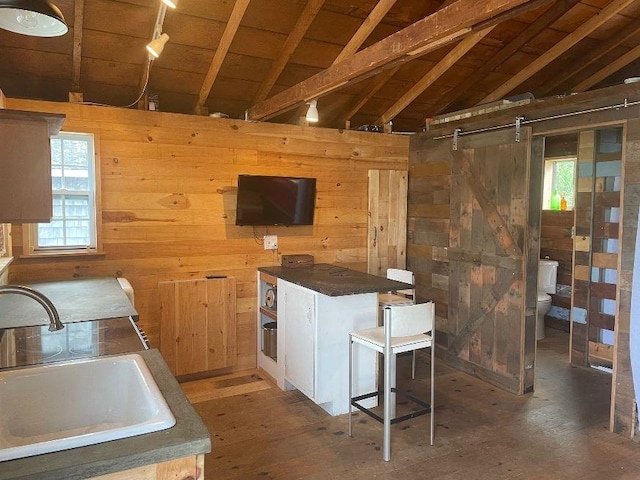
x: 543, y: 297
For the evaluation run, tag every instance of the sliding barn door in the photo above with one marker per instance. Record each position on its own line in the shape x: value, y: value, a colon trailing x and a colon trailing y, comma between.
x: 493, y: 244
x: 387, y: 240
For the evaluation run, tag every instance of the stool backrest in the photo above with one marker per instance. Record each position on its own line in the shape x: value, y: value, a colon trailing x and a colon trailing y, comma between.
x: 407, y: 320
x: 404, y: 276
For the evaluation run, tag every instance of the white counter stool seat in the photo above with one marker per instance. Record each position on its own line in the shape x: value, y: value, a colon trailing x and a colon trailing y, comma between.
x: 406, y: 328
x: 400, y: 297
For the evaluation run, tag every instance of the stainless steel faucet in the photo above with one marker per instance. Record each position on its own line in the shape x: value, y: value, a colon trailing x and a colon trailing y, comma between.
x: 54, y: 318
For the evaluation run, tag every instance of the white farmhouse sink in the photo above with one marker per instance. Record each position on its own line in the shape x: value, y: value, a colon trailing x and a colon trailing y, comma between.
x: 71, y: 404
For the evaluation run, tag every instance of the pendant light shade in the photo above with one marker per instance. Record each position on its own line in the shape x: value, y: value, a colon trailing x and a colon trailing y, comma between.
x: 155, y: 47
x: 36, y: 18
x: 312, y: 113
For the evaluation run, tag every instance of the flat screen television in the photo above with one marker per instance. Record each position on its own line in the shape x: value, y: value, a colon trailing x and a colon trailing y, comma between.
x: 270, y: 200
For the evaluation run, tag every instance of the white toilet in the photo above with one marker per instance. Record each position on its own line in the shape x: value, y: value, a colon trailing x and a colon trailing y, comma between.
x: 547, y: 277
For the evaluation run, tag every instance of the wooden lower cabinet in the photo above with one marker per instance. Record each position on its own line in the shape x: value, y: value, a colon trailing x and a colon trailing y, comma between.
x: 198, y: 324
x: 188, y: 468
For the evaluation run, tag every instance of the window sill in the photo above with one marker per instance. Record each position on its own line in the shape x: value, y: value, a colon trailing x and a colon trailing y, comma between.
x: 63, y: 254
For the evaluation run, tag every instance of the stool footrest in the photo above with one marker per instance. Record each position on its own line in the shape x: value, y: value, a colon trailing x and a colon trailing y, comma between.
x: 426, y: 408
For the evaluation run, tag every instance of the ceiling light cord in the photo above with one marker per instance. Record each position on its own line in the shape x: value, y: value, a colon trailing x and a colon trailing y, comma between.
x: 144, y: 87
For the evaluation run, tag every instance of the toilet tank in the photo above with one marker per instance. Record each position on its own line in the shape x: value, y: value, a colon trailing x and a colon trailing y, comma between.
x: 547, y: 276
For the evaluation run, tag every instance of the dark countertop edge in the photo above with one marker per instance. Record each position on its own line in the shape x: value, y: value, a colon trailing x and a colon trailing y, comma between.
x: 188, y: 437
x: 297, y: 277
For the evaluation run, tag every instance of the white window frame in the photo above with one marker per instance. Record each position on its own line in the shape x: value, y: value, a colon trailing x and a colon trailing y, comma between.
x: 30, y: 231
x: 550, y: 179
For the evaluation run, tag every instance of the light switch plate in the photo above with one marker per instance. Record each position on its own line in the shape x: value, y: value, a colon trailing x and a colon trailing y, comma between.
x: 270, y: 242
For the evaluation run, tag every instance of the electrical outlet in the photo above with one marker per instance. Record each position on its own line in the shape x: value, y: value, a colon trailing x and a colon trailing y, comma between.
x: 270, y: 242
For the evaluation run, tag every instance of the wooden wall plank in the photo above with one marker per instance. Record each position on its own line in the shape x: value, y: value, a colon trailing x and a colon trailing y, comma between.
x: 168, y: 191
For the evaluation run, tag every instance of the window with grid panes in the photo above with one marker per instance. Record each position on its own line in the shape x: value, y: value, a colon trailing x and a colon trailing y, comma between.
x: 73, y: 225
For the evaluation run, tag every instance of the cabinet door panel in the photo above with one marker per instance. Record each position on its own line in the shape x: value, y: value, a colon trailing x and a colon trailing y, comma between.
x: 300, y: 318
x: 25, y: 172
x: 198, y: 324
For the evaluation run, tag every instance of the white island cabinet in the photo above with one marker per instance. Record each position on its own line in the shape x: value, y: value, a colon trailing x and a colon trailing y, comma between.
x: 313, y: 332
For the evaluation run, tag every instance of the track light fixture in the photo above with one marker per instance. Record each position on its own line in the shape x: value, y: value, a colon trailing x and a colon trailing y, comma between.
x: 312, y: 113
x: 36, y: 18
x: 155, y: 46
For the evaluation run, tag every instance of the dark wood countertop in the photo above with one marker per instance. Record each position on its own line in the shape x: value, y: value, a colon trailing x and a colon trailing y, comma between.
x: 76, y: 301
x: 333, y: 280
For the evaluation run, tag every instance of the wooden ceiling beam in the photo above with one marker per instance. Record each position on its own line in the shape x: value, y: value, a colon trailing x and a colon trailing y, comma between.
x: 553, y: 13
x: 371, y: 22
x: 296, y: 35
x: 375, y: 17
x: 577, y: 70
x: 459, y: 51
x: 367, y: 93
x: 437, y: 29
x: 619, y: 63
x: 78, y: 21
x: 221, y: 52
x: 558, y: 49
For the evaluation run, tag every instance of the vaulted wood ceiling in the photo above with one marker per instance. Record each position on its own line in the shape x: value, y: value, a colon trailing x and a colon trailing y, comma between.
x: 368, y: 62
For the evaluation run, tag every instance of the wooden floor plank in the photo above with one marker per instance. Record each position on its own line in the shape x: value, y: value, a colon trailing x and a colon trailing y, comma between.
x: 226, y: 386
x: 558, y: 432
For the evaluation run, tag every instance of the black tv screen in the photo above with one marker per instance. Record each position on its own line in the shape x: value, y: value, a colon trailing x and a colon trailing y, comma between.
x: 269, y: 200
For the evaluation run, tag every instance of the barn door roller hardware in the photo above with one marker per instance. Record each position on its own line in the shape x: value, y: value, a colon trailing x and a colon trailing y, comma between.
x: 520, y: 121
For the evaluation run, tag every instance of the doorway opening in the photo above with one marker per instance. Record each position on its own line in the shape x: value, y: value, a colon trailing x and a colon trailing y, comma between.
x: 581, y: 234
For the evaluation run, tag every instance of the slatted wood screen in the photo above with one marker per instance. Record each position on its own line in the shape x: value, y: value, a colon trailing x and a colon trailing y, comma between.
x: 596, y: 246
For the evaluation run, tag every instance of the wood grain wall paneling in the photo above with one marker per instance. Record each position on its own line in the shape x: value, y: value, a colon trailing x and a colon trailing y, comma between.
x: 169, y: 190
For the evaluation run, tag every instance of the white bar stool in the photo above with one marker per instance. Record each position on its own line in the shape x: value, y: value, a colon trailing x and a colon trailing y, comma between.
x: 406, y: 328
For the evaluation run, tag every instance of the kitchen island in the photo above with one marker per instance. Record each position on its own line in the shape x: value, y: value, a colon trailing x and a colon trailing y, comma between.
x: 315, y: 308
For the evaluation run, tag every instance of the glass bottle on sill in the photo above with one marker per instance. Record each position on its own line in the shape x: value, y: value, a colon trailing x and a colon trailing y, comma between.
x: 563, y: 203
x: 555, y: 201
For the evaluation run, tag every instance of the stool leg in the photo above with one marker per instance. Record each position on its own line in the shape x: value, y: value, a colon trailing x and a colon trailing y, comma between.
x: 413, y: 365
x: 433, y: 369
x: 386, y: 454
x: 350, y: 379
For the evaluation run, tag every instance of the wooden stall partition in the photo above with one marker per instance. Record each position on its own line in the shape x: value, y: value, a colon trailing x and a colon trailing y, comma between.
x: 624, y: 413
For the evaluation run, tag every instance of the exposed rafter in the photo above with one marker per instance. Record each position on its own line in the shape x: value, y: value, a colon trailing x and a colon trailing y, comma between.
x: 436, y: 30
x: 371, y: 22
x: 305, y: 19
x: 377, y: 83
x: 221, y: 52
x: 466, y: 44
x: 553, y: 13
x: 78, y: 22
x: 577, y: 71
x: 621, y: 62
x: 558, y: 49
